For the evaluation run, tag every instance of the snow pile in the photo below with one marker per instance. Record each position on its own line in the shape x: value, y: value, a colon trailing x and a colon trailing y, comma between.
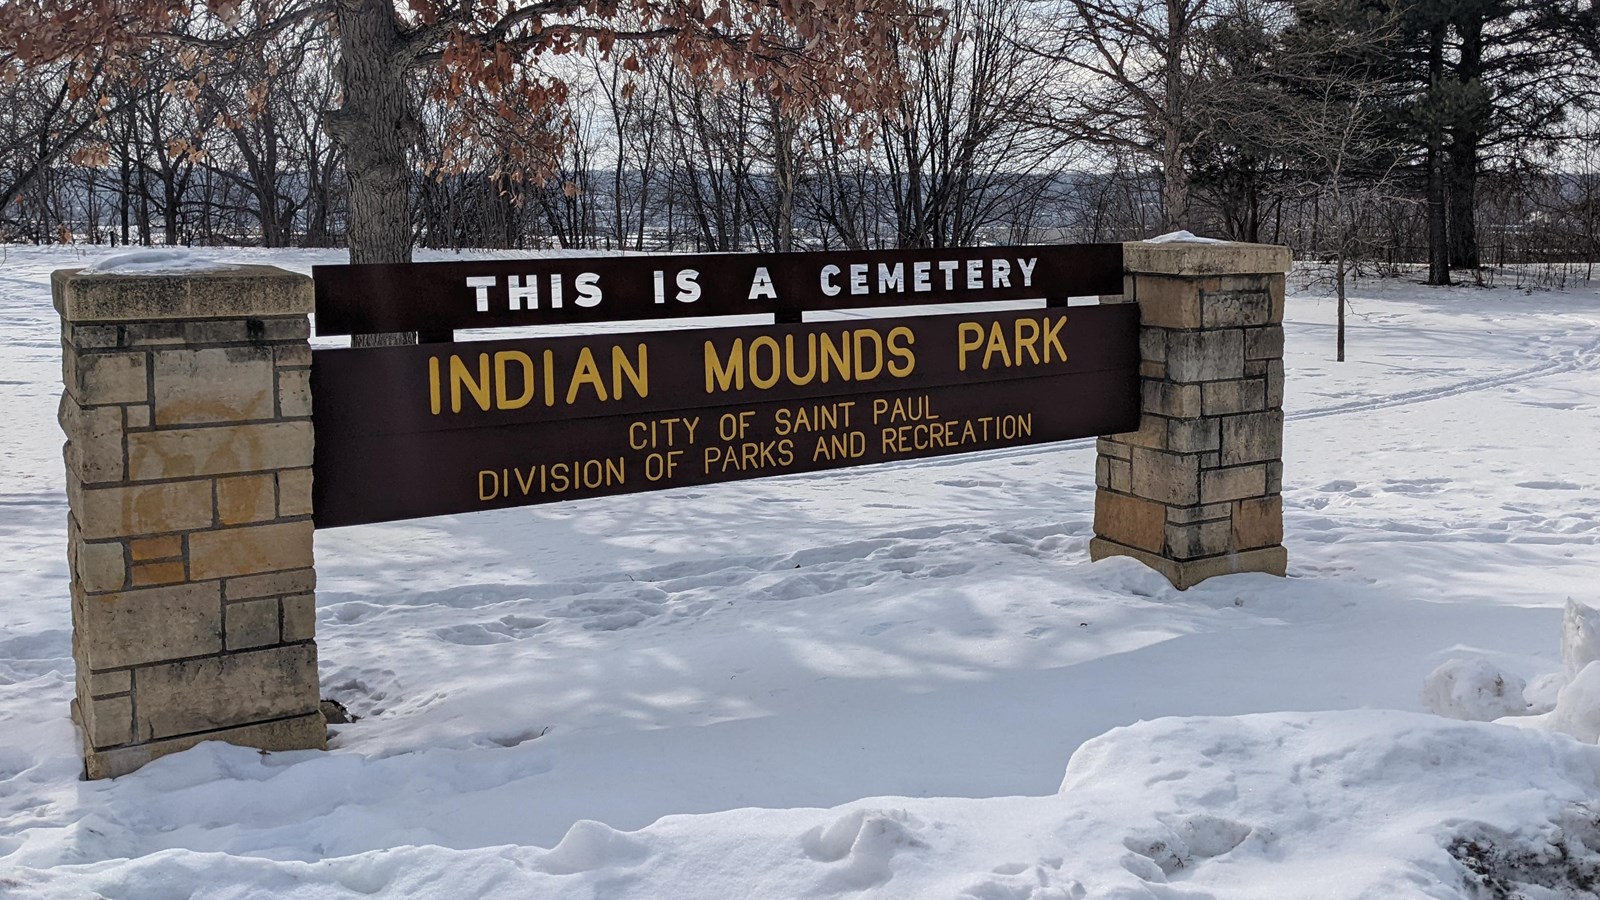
x: 1261, y: 807
x: 1473, y: 690
x: 1182, y: 237
x: 171, y: 261
x: 1580, y: 638
x: 1577, y: 709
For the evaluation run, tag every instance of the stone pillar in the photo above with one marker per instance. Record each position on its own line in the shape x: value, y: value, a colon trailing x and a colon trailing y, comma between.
x: 188, y: 419
x: 1195, y: 492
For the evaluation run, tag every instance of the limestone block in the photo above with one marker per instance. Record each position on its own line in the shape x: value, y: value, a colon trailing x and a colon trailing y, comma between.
x: 218, y: 450
x: 287, y: 328
x: 220, y: 331
x: 215, y: 384
x: 1168, y: 302
x: 253, y: 623
x: 247, y: 498
x: 307, y: 732
x: 138, y: 416
x: 286, y: 355
x: 1235, y: 308
x: 1198, y: 539
x: 91, y: 337
x: 96, y: 379
x: 299, y: 618
x: 249, y: 550
x: 1223, y: 398
x: 1267, y: 560
x: 106, y: 512
x: 1192, y: 259
x: 221, y: 691
x: 102, y: 684
x: 1130, y: 520
x: 154, y: 334
x: 1258, y: 522
x: 1102, y: 472
x: 1264, y: 343
x: 1205, y: 355
x: 145, y: 625
x: 1171, y: 478
x: 100, y: 566
x: 294, y: 393
x: 1185, y: 574
x: 1113, y: 448
x: 276, y: 584
x: 168, y: 572
x: 1179, y: 401
x: 294, y: 492
x: 108, y: 722
x: 1221, y: 485
x: 95, y: 453
x: 1153, y: 344
x: 1275, y: 383
x: 1184, y: 515
x: 146, y: 549
x: 1121, y: 472
x: 1257, y: 283
x: 262, y: 291
x: 1252, y: 437
x: 1192, y: 435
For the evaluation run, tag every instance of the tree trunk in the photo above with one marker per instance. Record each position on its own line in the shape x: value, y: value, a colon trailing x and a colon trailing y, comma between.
x: 1174, y: 177
x: 783, y: 180
x: 1340, y: 276
x: 1438, y: 234
x: 1462, y: 188
x: 375, y: 128
x: 1463, y: 178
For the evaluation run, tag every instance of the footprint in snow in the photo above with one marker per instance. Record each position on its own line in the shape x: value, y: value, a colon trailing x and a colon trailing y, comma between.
x: 1170, y: 850
x: 1022, y: 881
x: 1414, y: 485
x: 968, y: 483
x: 860, y: 846
x: 500, y: 631
x: 1550, y: 485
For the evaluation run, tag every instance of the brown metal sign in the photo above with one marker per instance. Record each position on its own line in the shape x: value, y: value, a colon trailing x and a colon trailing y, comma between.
x: 443, y: 296
x: 426, y: 430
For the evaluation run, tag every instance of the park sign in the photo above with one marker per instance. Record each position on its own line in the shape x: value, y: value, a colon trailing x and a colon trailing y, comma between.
x: 450, y: 427
x: 207, y: 440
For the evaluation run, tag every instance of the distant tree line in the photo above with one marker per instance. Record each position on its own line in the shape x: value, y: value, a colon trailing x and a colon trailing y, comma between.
x: 1457, y: 133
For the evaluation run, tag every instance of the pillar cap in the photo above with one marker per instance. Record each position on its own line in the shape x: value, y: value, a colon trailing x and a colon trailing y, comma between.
x: 237, y: 292
x: 1204, y: 258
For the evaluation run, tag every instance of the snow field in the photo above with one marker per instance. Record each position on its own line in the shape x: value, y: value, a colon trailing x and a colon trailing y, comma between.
x: 872, y: 681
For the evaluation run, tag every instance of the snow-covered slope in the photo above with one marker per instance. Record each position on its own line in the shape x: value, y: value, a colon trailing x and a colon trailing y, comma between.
x: 874, y: 679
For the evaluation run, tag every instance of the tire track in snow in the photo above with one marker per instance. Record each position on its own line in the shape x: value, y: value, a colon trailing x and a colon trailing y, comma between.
x: 1575, y: 360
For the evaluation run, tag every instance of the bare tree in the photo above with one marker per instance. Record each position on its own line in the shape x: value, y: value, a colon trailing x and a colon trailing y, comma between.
x: 1137, y: 82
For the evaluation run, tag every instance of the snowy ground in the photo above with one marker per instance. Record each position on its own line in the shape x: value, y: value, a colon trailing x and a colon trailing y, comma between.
x: 874, y: 680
